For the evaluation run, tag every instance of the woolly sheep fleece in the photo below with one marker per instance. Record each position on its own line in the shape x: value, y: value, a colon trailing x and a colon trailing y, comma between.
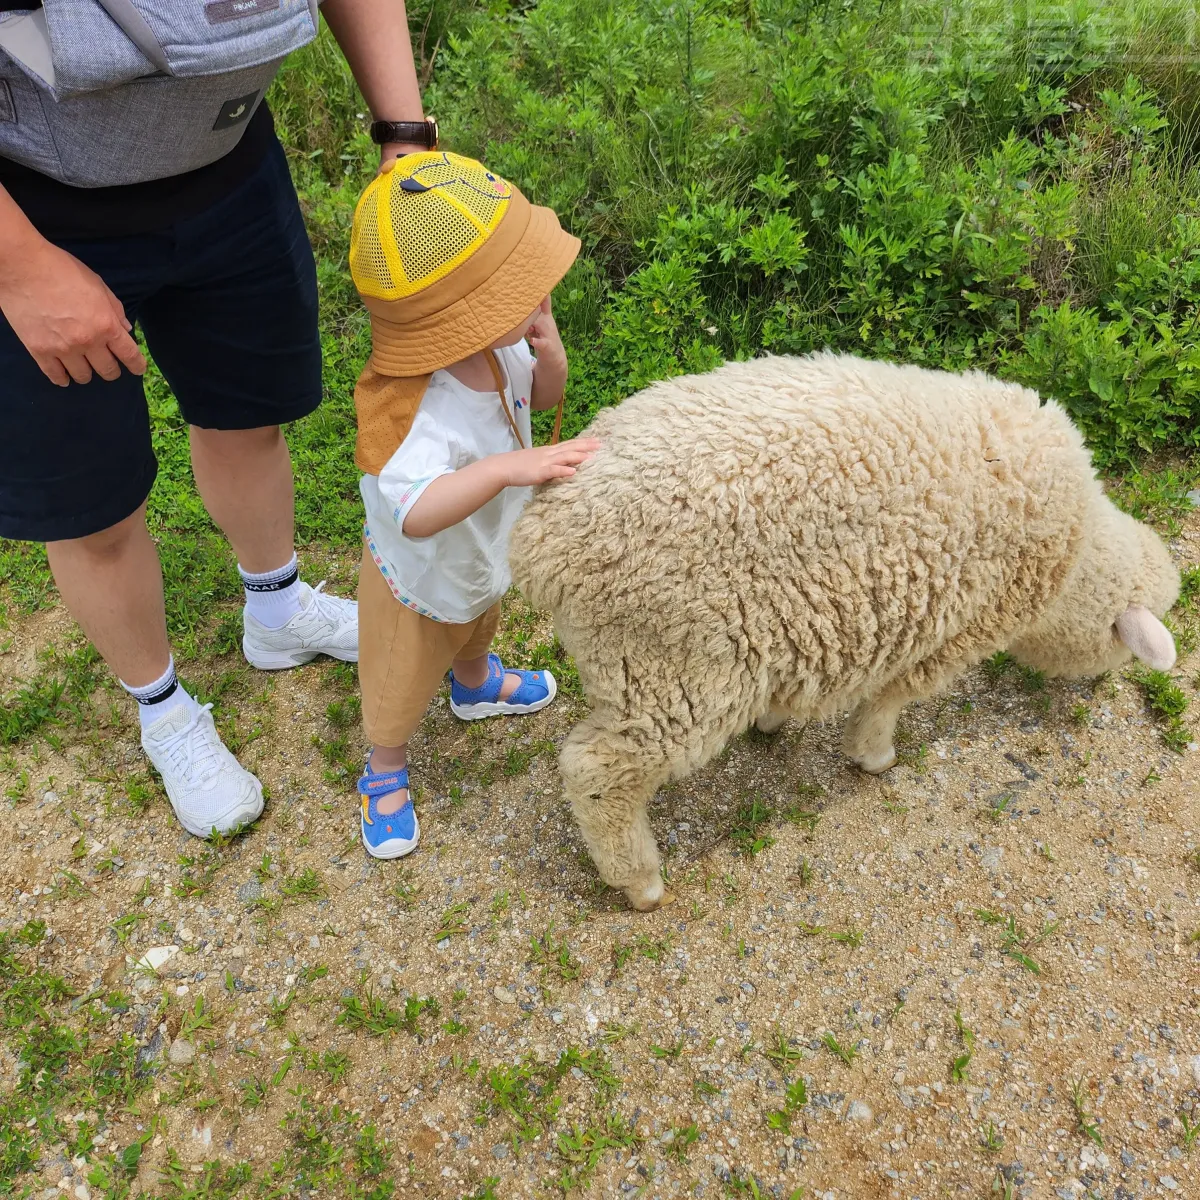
x: 799, y: 537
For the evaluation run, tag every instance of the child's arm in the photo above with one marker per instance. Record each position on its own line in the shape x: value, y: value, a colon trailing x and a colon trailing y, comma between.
x: 455, y: 496
x: 550, y: 369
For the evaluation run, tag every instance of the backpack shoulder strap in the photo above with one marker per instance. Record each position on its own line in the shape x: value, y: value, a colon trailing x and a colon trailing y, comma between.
x: 137, y: 29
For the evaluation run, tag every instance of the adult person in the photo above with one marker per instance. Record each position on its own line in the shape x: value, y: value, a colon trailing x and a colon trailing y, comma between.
x: 215, y: 266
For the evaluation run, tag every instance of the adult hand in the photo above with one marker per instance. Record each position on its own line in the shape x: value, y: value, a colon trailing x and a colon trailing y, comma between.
x: 390, y: 151
x: 65, y: 315
x: 527, y: 468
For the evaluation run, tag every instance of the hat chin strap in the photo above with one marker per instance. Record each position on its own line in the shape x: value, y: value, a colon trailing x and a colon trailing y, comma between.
x: 498, y: 377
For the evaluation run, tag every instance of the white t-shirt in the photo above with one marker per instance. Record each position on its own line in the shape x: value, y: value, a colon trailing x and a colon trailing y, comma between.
x: 458, y: 574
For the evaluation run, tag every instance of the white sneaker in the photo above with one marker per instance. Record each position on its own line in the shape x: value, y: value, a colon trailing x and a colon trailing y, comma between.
x: 208, y: 788
x: 324, y: 625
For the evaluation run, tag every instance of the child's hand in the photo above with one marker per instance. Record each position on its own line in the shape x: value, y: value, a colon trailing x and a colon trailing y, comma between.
x: 545, y: 342
x: 527, y: 468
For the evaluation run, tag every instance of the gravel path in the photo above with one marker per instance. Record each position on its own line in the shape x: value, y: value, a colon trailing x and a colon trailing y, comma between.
x: 975, y: 976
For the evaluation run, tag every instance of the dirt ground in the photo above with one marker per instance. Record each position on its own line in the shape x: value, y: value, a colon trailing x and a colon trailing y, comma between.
x: 982, y: 965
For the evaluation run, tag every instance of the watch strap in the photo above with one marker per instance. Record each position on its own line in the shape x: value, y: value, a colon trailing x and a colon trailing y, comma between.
x: 421, y: 133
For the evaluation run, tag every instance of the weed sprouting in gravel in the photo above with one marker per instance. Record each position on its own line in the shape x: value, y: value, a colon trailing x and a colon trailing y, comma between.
x: 486, y: 1189
x: 305, y: 884
x: 583, y: 1147
x: 554, y: 954
x: 405, y: 893
x: 1191, y: 1131
x: 372, y: 1014
x: 847, y: 1054
x: 795, y: 1097
x: 990, y: 1138
x: 782, y: 1050
x: 642, y: 946
x: 1085, y: 1123
x: 518, y: 759
x: 671, y: 1053
x: 679, y: 1140
x: 845, y: 937
x: 747, y: 836
x: 962, y: 1062
x: 451, y: 923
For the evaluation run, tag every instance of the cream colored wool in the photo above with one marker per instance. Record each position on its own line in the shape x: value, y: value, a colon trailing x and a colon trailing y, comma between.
x: 802, y: 537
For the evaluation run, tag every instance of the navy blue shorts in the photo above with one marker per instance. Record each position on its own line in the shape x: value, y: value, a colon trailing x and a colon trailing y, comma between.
x: 227, y: 302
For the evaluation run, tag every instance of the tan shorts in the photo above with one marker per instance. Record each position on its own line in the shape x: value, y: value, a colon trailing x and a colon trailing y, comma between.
x: 403, y: 657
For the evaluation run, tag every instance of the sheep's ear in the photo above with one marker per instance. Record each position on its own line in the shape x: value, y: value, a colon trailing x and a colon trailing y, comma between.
x: 1148, y: 638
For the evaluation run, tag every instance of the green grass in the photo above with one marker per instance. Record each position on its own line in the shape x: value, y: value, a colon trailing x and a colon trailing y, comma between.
x: 748, y: 836
x: 372, y: 1014
x: 1167, y: 700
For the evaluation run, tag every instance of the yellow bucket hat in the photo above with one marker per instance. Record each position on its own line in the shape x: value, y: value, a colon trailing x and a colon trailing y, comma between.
x: 448, y: 258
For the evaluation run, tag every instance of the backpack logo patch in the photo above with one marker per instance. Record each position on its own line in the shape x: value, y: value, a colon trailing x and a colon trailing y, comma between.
x: 234, y: 112
x: 220, y: 11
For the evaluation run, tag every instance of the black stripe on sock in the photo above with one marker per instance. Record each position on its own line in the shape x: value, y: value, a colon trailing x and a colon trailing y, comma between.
x: 277, y: 586
x: 168, y: 689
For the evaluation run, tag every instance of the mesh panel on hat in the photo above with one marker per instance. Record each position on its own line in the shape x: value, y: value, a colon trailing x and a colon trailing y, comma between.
x: 367, y: 253
x: 420, y: 220
x: 430, y: 228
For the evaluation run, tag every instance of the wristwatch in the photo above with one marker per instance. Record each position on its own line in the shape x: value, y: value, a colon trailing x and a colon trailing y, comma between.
x: 415, y: 133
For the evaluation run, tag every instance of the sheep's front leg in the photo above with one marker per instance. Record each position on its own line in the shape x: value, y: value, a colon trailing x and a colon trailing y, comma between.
x: 609, y: 777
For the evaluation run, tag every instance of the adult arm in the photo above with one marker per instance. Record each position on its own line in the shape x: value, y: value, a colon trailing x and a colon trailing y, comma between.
x: 374, y: 37
x: 64, y: 314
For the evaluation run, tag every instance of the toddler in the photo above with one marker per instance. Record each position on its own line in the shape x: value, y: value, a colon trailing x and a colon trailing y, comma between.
x: 456, y: 268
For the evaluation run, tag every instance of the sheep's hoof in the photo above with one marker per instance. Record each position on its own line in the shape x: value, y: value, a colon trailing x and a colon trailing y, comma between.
x: 653, y: 895
x: 876, y: 764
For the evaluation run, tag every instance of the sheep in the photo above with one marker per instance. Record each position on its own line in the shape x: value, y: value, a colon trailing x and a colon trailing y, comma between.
x: 805, y: 537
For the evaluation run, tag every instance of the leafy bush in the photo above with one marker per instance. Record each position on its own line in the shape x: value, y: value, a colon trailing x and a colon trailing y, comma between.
x: 995, y: 191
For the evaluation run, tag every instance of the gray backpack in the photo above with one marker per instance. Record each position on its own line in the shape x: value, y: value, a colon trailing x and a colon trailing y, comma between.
x: 97, y: 93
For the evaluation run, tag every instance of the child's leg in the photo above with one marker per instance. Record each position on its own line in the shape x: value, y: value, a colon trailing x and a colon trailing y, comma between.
x: 480, y: 687
x: 470, y: 665
x: 402, y: 660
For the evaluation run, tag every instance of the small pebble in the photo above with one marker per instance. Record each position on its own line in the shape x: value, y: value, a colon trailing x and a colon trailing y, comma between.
x: 181, y: 1052
x: 503, y: 995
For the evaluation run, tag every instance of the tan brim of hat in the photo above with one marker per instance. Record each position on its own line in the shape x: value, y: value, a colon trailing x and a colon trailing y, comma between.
x: 492, y: 300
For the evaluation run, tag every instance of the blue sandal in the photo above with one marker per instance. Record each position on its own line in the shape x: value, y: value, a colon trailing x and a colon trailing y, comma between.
x: 536, y: 690
x: 387, y: 835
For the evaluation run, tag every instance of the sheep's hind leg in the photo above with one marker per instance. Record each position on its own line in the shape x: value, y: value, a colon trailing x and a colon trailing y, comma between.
x: 869, y: 733
x: 609, y: 777
x: 872, y: 725
x: 772, y: 720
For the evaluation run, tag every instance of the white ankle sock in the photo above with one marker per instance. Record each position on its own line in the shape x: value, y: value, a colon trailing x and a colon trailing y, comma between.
x: 273, y: 598
x: 157, y: 699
